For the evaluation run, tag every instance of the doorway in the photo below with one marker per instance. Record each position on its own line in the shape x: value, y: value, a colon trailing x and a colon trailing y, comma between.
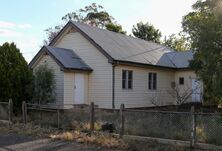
x: 79, y: 88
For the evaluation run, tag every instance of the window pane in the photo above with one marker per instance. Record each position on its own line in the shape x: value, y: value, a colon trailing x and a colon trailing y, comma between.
x: 154, y: 81
x: 130, y: 75
x: 124, y: 79
x: 150, y: 80
x: 124, y: 74
x: 124, y: 84
x: 130, y: 79
x: 181, y: 80
x: 130, y: 84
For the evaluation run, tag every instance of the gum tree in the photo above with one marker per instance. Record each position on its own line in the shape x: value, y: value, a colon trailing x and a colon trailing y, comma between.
x: 204, y: 26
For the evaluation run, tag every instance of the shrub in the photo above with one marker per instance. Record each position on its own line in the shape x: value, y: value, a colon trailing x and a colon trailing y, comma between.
x: 15, y: 76
x: 44, y: 85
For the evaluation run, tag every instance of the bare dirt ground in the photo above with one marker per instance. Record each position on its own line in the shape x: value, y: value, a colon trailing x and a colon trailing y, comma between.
x: 19, y: 142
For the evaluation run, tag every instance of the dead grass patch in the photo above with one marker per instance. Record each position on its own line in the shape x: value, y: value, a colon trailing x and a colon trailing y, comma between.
x: 105, y: 140
x: 98, y: 138
x: 28, y: 129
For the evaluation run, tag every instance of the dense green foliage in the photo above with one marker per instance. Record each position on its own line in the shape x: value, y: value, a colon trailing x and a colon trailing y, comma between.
x: 93, y: 15
x: 44, y: 85
x: 204, y: 26
x: 15, y: 76
x: 147, y: 32
x: 178, y: 43
x: 115, y: 28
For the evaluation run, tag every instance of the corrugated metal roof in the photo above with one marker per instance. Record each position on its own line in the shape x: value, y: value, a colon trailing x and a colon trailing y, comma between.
x: 68, y: 58
x: 181, y: 59
x: 127, y: 48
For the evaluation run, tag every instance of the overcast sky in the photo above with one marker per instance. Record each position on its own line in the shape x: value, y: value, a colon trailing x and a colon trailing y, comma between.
x: 24, y: 21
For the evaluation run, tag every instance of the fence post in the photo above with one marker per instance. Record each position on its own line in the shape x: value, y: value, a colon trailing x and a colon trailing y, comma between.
x: 10, y: 106
x: 40, y: 115
x: 193, y: 129
x: 92, y: 116
x: 24, y: 112
x: 58, y: 118
x: 122, y: 120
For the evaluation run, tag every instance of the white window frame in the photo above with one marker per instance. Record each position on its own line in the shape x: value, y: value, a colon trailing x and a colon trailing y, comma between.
x: 126, y: 80
x: 151, y: 81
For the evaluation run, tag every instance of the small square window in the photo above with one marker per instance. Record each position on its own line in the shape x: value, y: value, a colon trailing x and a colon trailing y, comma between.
x: 181, y: 81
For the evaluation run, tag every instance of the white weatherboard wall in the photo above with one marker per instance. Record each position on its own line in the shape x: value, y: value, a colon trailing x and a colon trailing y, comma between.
x: 58, y: 75
x: 188, y: 76
x: 140, y: 95
x: 69, y: 88
x: 100, y: 79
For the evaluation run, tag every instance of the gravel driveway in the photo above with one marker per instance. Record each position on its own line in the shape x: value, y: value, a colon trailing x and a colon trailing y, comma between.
x: 12, y: 142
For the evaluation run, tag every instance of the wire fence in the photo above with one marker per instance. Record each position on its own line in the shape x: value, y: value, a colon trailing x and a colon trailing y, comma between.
x: 6, y: 110
x: 76, y: 118
x: 209, y: 128
x: 56, y: 116
x: 186, y: 126
x: 170, y: 125
x: 108, y: 117
x: 42, y: 117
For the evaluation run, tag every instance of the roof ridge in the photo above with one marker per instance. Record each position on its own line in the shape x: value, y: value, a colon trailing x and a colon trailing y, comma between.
x: 171, y: 60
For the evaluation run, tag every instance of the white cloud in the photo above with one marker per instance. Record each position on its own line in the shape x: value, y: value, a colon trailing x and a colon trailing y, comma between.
x: 9, y: 29
x: 7, y: 25
x: 4, y: 24
x: 24, y: 26
x: 8, y: 33
x: 29, y: 47
x: 27, y: 44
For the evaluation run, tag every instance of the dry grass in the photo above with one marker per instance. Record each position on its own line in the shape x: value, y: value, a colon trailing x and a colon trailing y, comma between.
x: 85, y: 126
x: 28, y: 129
x: 105, y: 140
x: 102, y: 139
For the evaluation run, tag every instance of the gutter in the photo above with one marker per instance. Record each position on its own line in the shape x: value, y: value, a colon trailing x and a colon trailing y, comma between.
x: 143, y: 65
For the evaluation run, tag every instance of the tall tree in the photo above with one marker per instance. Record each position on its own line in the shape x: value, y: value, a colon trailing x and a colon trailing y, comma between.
x: 147, y: 32
x: 115, y: 28
x: 204, y: 26
x: 93, y: 15
x: 15, y: 76
x: 178, y: 43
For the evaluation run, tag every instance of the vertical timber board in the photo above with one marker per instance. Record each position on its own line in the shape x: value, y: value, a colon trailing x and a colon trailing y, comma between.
x: 122, y: 120
x: 10, y: 106
x: 92, y: 116
x: 193, y: 127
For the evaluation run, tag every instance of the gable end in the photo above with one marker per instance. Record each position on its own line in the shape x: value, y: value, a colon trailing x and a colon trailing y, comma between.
x: 70, y: 24
x: 39, y: 54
